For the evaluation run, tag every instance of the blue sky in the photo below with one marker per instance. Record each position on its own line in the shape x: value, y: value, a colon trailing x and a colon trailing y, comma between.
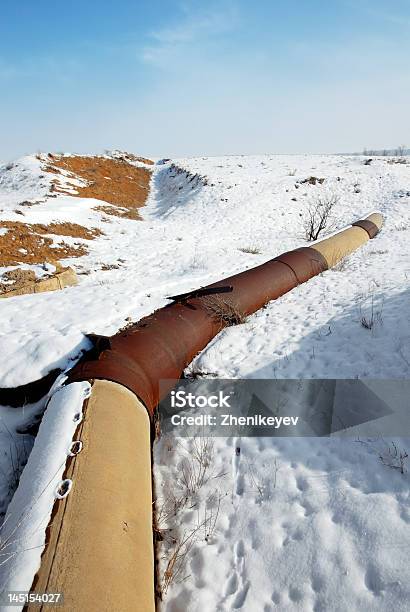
x: 204, y: 78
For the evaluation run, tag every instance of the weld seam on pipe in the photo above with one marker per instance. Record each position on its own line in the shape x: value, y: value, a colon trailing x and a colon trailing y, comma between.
x: 368, y: 226
x: 291, y: 269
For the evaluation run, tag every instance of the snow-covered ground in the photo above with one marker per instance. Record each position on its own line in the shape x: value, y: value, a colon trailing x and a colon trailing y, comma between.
x: 193, y: 234
x: 333, y: 532
x: 24, y: 530
x: 309, y: 524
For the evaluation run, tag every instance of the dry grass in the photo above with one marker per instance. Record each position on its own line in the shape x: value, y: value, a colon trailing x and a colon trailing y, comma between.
x: 184, y: 494
x: 312, y: 180
x: 31, y: 243
x: 223, y: 310
x: 195, y: 468
x: 374, y: 315
x: 252, y: 250
x: 177, y: 557
x: 68, y: 229
x: 378, y: 252
x: 179, y: 547
x: 116, y: 181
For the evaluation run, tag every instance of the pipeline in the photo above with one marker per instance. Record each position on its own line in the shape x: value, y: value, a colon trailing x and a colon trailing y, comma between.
x: 161, y: 345
x: 100, y: 542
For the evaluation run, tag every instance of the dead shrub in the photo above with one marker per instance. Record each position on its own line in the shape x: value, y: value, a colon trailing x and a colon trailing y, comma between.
x: 388, y: 452
x: 394, y: 457
x: 317, y: 217
x: 373, y: 316
x: 224, y: 311
x: 195, y: 467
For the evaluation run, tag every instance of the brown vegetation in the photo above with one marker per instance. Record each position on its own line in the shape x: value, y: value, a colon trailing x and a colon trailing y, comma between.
x: 112, y: 180
x: 30, y: 243
x: 224, y: 311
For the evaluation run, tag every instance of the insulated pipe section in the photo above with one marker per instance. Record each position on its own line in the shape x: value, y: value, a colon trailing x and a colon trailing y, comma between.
x: 99, y: 550
x: 161, y: 345
x: 340, y: 245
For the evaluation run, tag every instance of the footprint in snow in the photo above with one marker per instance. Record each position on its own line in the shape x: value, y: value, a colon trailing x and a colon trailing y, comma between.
x: 241, y: 596
x: 295, y: 594
x: 373, y: 581
x: 232, y: 584
x: 302, y: 484
x: 197, y: 565
x: 240, y: 484
x: 240, y: 549
x: 237, y: 585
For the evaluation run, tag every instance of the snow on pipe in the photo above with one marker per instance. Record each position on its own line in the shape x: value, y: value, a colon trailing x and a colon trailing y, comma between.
x: 103, y: 529
x: 161, y: 345
x: 99, y: 543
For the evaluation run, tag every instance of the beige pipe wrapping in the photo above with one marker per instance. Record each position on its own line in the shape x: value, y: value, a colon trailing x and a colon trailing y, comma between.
x: 100, y: 545
x: 345, y: 242
x: 376, y: 218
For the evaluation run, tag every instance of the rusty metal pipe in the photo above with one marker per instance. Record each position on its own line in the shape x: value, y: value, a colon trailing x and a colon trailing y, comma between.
x: 162, y: 344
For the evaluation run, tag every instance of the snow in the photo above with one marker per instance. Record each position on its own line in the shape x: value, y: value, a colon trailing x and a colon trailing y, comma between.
x: 303, y: 524
x: 23, y: 533
x: 22, y: 181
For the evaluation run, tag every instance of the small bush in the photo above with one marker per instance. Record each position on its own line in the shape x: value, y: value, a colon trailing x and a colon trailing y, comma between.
x: 373, y: 317
x: 388, y: 452
x: 394, y: 457
x: 318, y: 216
